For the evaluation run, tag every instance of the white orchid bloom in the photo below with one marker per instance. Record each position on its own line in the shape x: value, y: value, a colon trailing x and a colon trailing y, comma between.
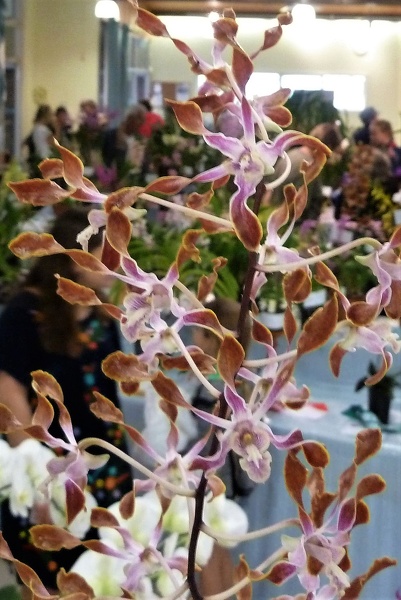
x: 142, y: 523
x: 164, y: 582
x: 176, y: 520
x: 165, y: 585
x: 226, y: 517
x: 6, y: 468
x: 58, y: 510
x: 104, y: 573
x: 204, y: 549
x: 22, y: 492
x: 36, y: 456
x: 29, y: 472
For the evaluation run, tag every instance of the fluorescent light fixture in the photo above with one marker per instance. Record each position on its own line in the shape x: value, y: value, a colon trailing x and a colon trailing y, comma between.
x: 107, y: 9
x: 303, y: 13
x: 361, y: 40
x: 213, y: 16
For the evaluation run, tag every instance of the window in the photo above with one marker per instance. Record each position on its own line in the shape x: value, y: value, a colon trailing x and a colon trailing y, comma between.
x: 348, y: 90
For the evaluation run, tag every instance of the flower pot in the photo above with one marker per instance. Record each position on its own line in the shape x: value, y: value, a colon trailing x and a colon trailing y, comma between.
x: 379, y: 401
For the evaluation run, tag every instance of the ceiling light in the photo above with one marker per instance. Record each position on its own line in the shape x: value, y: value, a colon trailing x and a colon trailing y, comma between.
x: 213, y: 16
x: 107, y: 9
x: 361, y: 40
x: 303, y: 13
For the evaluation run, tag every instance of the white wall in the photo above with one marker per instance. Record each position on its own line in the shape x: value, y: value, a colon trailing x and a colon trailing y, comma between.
x: 326, y: 49
x: 60, y: 55
x: 61, y: 43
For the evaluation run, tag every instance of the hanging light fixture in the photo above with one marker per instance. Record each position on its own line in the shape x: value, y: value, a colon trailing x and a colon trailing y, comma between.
x: 303, y: 13
x: 107, y: 9
x: 213, y: 16
x: 361, y: 40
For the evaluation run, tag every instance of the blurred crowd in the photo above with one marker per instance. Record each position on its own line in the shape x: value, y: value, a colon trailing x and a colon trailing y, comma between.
x: 98, y: 137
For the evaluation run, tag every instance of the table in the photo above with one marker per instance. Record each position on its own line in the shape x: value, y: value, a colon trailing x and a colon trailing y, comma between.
x: 270, y: 503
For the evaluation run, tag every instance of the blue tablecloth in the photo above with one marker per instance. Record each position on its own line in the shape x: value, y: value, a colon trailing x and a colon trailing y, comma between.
x: 270, y: 502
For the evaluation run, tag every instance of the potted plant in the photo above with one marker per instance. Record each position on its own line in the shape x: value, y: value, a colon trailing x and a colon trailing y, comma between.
x: 380, y: 394
x: 272, y: 303
x: 12, y: 214
x: 352, y: 276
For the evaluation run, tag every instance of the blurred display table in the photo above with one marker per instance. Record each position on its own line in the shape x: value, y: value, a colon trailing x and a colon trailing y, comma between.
x: 270, y: 503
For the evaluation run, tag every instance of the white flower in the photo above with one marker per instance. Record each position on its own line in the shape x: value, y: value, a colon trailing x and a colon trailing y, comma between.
x: 226, y: 517
x: 29, y: 472
x: 164, y: 582
x: 176, y: 520
x: 142, y: 523
x: 104, y: 573
x: 58, y: 510
x: 6, y: 468
x: 36, y: 457
x: 22, y: 492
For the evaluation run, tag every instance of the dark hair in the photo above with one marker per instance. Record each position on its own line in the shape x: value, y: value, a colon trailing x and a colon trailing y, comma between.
x: 384, y: 126
x: 146, y: 104
x: 60, y: 109
x: 368, y: 114
x: 329, y: 134
x: 58, y: 326
x: 42, y: 111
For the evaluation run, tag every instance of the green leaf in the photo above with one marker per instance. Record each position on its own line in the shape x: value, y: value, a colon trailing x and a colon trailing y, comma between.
x: 10, y: 592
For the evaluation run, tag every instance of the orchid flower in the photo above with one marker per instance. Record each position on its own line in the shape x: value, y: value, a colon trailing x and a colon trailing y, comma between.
x: 386, y: 266
x: 249, y: 162
x: 273, y: 250
x: 30, y: 460
x: 376, y: 337
x: 143, y: 559
x: 6, y: 468
x: 151, y: 545
x: 104, y: 573
x: 74, y: 465
x: 248, y: 436
x: 323, y: 547
x: 153, y: 297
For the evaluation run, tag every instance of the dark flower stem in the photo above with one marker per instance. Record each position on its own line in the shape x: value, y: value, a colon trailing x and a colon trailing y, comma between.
x: 201, y: 490
x: 250, y: 273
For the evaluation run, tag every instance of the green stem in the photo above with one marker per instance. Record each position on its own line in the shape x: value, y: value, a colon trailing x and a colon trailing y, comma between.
x: 251, y: 535
x: 196, y: 214
x: 286, y: 267
x: 92, y: 441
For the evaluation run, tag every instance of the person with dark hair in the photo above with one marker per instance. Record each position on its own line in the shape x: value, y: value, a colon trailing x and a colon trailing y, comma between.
x: 43, y: 131
x: 63, y: 127
x: 382, y: 137
x: 40, y: 142
x: 116, y: 141
x: 367, y: 116
x: 41, y: 331
x: 152, y: 122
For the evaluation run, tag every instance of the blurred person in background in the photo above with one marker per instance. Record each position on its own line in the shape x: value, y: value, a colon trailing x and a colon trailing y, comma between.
x: 152, y: 122
x: 41, y: 331
x: 367, y: 116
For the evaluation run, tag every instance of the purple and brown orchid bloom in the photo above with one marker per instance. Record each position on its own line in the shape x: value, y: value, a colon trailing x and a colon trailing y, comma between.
x: 321, y: 549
